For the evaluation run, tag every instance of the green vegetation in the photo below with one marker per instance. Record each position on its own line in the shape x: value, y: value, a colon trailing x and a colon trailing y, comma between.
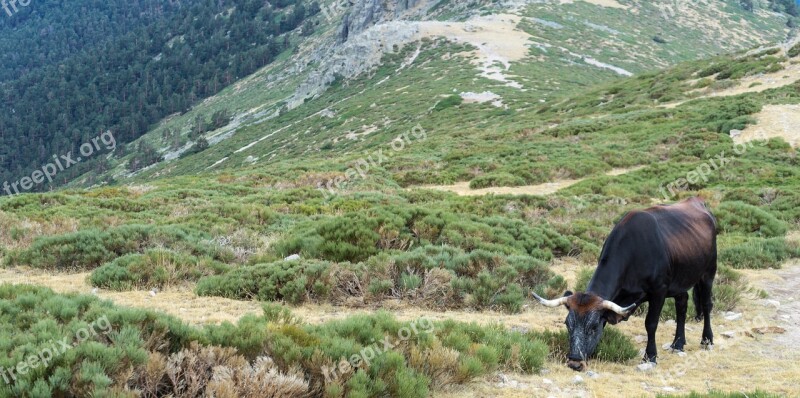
x: 155, y: 268
x: 226, y: 229
x: 613, y: 347
x: 759, y: 253
x: 117, y: 349
x: 432, y: 276
x: 163, y: 64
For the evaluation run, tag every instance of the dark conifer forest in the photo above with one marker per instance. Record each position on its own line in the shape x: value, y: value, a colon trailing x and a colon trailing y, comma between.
x: 72, y: 71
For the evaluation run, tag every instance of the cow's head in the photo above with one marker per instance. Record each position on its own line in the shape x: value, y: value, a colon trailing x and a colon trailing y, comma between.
x: 587, y: 315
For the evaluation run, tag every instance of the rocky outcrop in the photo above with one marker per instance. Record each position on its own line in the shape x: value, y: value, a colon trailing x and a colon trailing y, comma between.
x: 359, y: 54
x: 366, y: 13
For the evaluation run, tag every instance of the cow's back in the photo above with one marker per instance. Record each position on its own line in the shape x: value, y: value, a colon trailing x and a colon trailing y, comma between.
x: 689, y: 233
x: 670, y: 247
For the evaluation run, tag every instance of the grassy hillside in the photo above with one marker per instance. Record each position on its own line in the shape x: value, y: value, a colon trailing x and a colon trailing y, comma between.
x: 516, y: 59
x: 343, y: 183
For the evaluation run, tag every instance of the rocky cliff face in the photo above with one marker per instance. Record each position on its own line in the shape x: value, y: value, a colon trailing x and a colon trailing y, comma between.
x: 366, y: 13
x: 369, y: 29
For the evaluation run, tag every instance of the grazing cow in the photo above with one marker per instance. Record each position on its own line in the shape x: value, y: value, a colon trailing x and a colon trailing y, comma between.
x: 651, y: 254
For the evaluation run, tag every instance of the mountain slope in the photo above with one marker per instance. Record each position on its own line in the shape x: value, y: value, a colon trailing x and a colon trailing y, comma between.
x: 516, y: 57
x: 136, y: 79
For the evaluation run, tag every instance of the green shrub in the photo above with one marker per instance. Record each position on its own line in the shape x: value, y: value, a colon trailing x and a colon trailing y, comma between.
x: 758, y: 253
x: 104, y: 342
x: 449, y: 102
x: 739, y: 217
x: 154, y: 268
x: 794, y: 51
x: 291, y: 281
x: 88, y: 249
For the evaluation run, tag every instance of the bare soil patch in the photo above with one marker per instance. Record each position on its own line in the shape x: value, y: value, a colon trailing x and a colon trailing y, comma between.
x: 779, y: 121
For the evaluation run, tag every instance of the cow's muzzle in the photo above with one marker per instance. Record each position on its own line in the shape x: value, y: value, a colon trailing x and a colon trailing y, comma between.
x: 577, y: 364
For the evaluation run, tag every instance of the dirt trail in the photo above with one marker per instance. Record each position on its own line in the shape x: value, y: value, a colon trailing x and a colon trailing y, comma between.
x: 463, y: 189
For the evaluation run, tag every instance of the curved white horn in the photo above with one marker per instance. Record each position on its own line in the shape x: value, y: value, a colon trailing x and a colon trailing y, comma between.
x: 610, y: 305
x: 550, y: 303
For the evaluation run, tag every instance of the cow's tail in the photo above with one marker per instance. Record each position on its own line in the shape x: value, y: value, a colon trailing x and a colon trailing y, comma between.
x: 698, y: 308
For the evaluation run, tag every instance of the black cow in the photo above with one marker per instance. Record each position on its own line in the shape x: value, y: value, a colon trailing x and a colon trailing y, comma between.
x: 651, y: 254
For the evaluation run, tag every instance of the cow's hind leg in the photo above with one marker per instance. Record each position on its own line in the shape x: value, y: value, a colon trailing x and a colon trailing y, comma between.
x: 651, y: 324
x: 703, y: 291
x: 681, y: 305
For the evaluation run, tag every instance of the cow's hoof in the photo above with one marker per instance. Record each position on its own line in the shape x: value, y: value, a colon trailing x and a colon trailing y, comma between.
x: 677, y: 345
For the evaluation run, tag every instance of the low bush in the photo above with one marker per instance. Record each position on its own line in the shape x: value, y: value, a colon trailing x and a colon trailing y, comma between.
x: 496, y: 180
x: 90, y: 248
x: 103, y: 342
x: 118, y: 350
x: 739, y: 217
x: 584, y: 277
x: 759, y: 253
x: 291, y: 281
x: 154, y: 268
x: 433, y: 276
x: 448, y: 102
x: 358, y: 235
x: 794, y: 51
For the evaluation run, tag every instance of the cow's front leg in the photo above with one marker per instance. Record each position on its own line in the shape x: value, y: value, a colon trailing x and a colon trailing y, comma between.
x: 651, y: 324
x: 681, y: 306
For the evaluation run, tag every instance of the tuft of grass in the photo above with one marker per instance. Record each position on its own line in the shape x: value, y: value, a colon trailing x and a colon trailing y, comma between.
x: 614, y: 346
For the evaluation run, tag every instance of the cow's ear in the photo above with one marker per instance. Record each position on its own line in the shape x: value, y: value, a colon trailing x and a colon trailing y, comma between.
x: 614, y: 318
x: 567, y: 294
